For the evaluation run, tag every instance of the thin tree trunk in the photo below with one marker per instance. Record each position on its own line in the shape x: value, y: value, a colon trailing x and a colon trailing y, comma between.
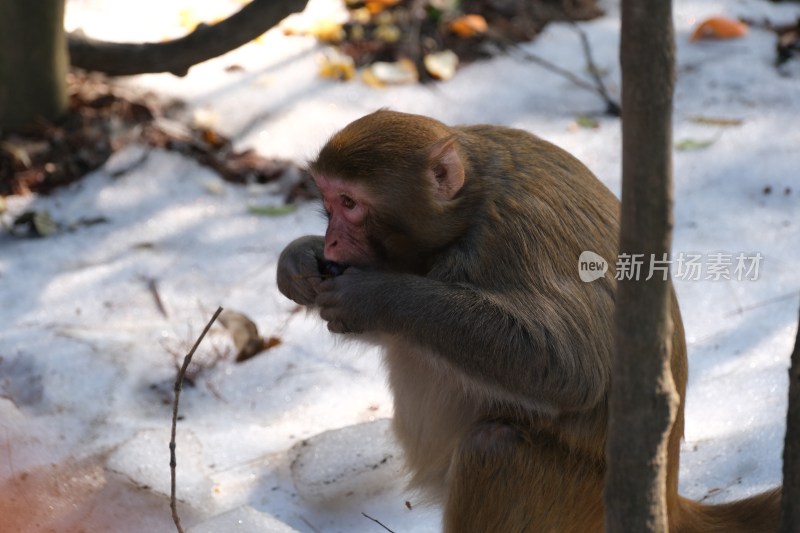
x: 790, y: 508
x: 644, y: 401
x: 33, y: 62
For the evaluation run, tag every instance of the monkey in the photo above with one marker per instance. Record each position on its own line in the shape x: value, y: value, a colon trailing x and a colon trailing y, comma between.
x: 456, y: 250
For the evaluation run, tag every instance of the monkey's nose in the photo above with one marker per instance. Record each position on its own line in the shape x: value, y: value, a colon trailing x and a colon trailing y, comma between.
x: 330, y: 251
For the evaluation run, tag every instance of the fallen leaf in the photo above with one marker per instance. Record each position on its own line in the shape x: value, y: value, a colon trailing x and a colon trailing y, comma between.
x: 719, y: 28
x: 244, y: 334
x: 205, y: 118
x: 388, y: 33
x: 716, y: 121
x: 441, y: 65
x: 369, y: 78
x: 272, y: 342
x: 327, y: 31
x: 376, y: 6
x: 692, y: 144
x: 587, y: 122
x: 250, y: 167
x: 212, y: 138
x: 469, y: 26
x: 788, y: 42
x: 382, y: 73
x: 361, y: 15
x: 596, y: 71
x: 19, y: 154
x: 214, y: 186
x: 271, y: 210
x: 35, y: 223
x: 334, y: 64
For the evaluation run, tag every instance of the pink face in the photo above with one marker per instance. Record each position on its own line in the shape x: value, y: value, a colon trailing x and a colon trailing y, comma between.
x: 347, y: 208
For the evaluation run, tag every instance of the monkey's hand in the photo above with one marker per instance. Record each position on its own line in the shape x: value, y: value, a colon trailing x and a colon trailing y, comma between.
x: 354, y: 301
x: 298, y: 269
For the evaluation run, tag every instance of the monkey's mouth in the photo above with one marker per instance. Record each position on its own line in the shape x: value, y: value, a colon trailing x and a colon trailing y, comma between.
x: 330, y: 268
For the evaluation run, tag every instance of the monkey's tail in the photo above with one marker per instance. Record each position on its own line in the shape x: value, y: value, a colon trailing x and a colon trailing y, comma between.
x: 757, y: 514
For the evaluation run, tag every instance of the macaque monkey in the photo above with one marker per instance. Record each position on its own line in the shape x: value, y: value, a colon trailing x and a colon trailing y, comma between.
x: 456, y: 249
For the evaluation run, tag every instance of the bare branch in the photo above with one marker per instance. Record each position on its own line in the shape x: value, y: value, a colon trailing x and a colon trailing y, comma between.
x: 173, y: 463
x: 612, y: 107
x: 178, y: 55
x: 598, y: 88
x: 377, y: 522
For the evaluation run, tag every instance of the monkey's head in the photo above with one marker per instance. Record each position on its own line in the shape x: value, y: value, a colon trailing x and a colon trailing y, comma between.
x: 390, y: 186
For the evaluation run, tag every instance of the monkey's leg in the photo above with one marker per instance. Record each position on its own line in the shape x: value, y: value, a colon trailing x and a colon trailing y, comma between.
x: 505, y: 478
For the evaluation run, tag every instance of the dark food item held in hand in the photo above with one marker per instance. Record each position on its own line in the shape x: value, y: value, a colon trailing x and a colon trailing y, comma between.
x: 330, y: 269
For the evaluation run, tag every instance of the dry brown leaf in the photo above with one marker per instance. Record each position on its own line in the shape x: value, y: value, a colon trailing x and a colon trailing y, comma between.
x: 441, y: 65
x: 381, y: 73
x: 376, y: 6
x: 336, y: 65
x: 272, y: 342
x: 719, y: 28
x: 469, y: 26
x: 327, y: 31
x: 244, y: 334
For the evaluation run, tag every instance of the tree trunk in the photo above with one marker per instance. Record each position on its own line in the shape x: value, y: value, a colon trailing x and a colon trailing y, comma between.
x: 643, y: 402
x: 791, y: 449
x: 33, y: 62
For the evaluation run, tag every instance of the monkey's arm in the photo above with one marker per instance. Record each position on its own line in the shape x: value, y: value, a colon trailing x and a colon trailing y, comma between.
x: 298, y: 269
x: 474, y: 331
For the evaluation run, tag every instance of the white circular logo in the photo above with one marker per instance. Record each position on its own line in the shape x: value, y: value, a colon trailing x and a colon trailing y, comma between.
x: 591, y: 266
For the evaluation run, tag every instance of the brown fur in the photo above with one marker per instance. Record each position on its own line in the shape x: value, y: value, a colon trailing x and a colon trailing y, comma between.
x: 498, y: 354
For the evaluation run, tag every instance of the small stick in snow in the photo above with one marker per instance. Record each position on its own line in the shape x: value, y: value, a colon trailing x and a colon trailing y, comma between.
x: 377, y: 522
x: 152, y: 286
x: 173, y: 504
x: 309, y: 524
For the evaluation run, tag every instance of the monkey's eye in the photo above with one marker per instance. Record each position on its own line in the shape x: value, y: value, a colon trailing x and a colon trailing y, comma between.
x: 347, y: 202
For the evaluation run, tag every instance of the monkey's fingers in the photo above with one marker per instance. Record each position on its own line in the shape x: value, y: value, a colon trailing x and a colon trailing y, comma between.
x: 299, y: 290
x: 337, y: 326
x: 330, y: 309
x: 311, y: 276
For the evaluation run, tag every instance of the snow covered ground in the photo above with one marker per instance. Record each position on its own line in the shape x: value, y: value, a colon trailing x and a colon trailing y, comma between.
x: 87, y: 360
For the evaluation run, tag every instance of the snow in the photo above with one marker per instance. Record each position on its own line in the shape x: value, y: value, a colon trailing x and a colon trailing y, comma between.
x: 374, y: 461
x: 243, y: 520
x: 87, y: 362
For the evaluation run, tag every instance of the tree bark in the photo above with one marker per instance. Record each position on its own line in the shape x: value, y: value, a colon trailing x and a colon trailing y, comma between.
x: 643, y: 402
x: 178, y: 55
x: 790, y: 503
x: 33, y: 62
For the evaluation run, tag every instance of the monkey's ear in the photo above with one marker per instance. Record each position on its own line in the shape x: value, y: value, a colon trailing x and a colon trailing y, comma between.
x: 445, y: 168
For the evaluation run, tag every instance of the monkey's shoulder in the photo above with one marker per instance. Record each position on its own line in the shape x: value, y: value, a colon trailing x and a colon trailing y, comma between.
x: 511, y: 154
x: 501, y: 135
